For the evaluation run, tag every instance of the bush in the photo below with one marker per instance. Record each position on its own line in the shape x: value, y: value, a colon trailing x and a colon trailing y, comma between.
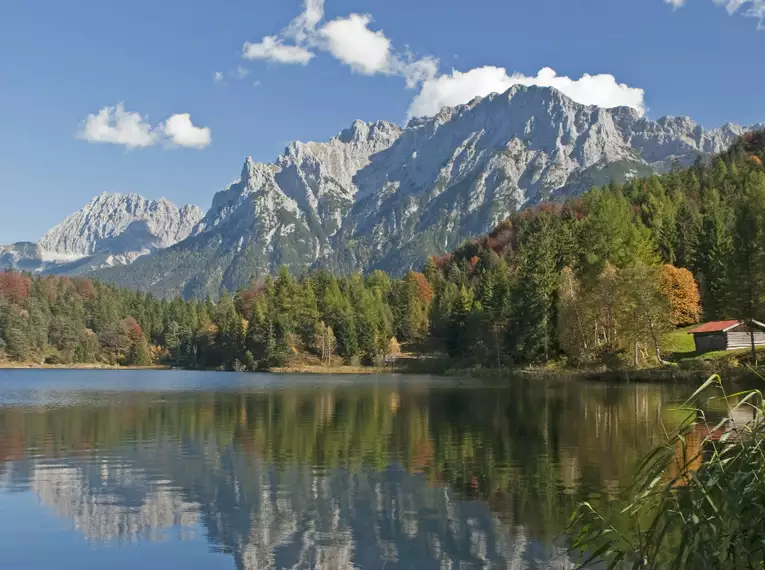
x: 54, y: 358
x: 353, y: 360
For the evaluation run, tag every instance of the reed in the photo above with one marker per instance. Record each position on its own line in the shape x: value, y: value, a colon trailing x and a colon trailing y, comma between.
x: 698, y: 501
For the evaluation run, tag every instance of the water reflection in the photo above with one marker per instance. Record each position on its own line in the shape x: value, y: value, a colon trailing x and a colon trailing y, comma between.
x: 388, y: 474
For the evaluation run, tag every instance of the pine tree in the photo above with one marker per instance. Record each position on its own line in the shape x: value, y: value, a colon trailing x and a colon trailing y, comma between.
x: 715, y: 250
x: 532, y: 330
x: 748, y: 259
x: 458, y: 341
x: 16, y: 343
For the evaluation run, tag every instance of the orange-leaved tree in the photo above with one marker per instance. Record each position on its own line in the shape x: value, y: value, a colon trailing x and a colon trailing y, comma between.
x: 682, y: 292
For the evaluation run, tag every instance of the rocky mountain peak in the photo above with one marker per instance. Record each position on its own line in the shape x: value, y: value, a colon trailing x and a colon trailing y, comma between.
x: 247, y: 168
x: 360, y: 132
x: 119, y: 223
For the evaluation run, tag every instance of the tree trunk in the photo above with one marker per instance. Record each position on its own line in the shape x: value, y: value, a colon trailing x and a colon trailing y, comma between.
x: 581, y: 327
x: 654, y: 337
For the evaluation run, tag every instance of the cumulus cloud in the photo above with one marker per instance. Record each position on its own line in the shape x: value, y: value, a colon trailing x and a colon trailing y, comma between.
x: 271, y: 48
x: 675, y: 3
x: 461, y: 87
x: 351, y: 41
x: 218, y: 77
x: 180, y: 131
x: 114, y: 125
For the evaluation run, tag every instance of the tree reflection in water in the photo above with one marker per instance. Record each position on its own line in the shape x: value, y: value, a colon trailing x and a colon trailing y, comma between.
x: 410, y: 475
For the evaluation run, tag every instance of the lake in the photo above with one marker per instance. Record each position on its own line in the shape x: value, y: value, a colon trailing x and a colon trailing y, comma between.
x: 206, y: 470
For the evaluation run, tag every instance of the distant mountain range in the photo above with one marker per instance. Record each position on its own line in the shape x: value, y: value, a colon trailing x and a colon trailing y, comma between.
x: 112, y: 229
x: 377, y: 195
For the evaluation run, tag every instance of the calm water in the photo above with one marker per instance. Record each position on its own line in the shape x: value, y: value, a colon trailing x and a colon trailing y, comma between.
x: 139, y: 469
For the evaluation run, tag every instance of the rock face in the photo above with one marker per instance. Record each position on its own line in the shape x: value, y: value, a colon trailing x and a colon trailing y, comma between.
x: 120, y: 224
x: 378, y: 196
x: 112, y: 229
x: 288, y: 212
x: 23, y: 256
x: 458, y: 174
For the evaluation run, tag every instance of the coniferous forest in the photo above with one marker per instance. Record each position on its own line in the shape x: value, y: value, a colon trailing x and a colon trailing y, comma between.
x: 599, y: 278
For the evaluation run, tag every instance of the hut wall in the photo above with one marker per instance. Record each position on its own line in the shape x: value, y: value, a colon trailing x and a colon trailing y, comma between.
x: 737, y: 340
x: 710, y: 341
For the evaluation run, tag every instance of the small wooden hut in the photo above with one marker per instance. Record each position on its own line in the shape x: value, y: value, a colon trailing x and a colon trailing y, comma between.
x: 727, y: 335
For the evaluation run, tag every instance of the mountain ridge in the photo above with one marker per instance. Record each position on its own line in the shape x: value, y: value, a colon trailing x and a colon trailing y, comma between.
x: 378, y: 195
x: 111, y: 229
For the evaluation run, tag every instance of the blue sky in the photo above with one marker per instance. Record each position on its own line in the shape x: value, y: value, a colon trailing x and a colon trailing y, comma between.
x: 185, y: 133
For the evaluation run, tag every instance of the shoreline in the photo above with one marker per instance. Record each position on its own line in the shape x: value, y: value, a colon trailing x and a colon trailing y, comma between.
x: 5, y: 365
x: 646, y: 375
x: 318, y: 369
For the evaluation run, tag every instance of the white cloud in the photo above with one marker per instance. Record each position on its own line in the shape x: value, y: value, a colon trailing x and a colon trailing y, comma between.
x: 415, y: 71
x: 733, y: 5
x: 461, y: 87
x: 304, y: 26
x: 116, y: 126
x: 349, y: 40
x: 751, y: 8
x: 241, y: 72
x: 180, y: 131
x: 352, y: 42
x: 257, y: 83
x: 218, y: 77
x: 271, y: 48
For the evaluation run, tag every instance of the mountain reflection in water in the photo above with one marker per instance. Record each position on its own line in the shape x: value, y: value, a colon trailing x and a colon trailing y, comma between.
x: 390, y: 472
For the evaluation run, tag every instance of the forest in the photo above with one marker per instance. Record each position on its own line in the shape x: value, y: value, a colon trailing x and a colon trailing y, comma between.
x: 596, y: 279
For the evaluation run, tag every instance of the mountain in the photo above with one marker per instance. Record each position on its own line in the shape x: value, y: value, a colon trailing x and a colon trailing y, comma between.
x: 286, y: 213
x: 379, y: 196
x: 112, y: 229
x: 23, y: 255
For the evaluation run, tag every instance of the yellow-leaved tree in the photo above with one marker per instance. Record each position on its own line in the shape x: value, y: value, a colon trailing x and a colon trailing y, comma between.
x: 682, y: 293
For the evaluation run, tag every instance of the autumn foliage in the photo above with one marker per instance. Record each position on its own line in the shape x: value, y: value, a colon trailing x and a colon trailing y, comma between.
x: 423, y: 288
x: 14, y: 287
x: 682, y: 292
